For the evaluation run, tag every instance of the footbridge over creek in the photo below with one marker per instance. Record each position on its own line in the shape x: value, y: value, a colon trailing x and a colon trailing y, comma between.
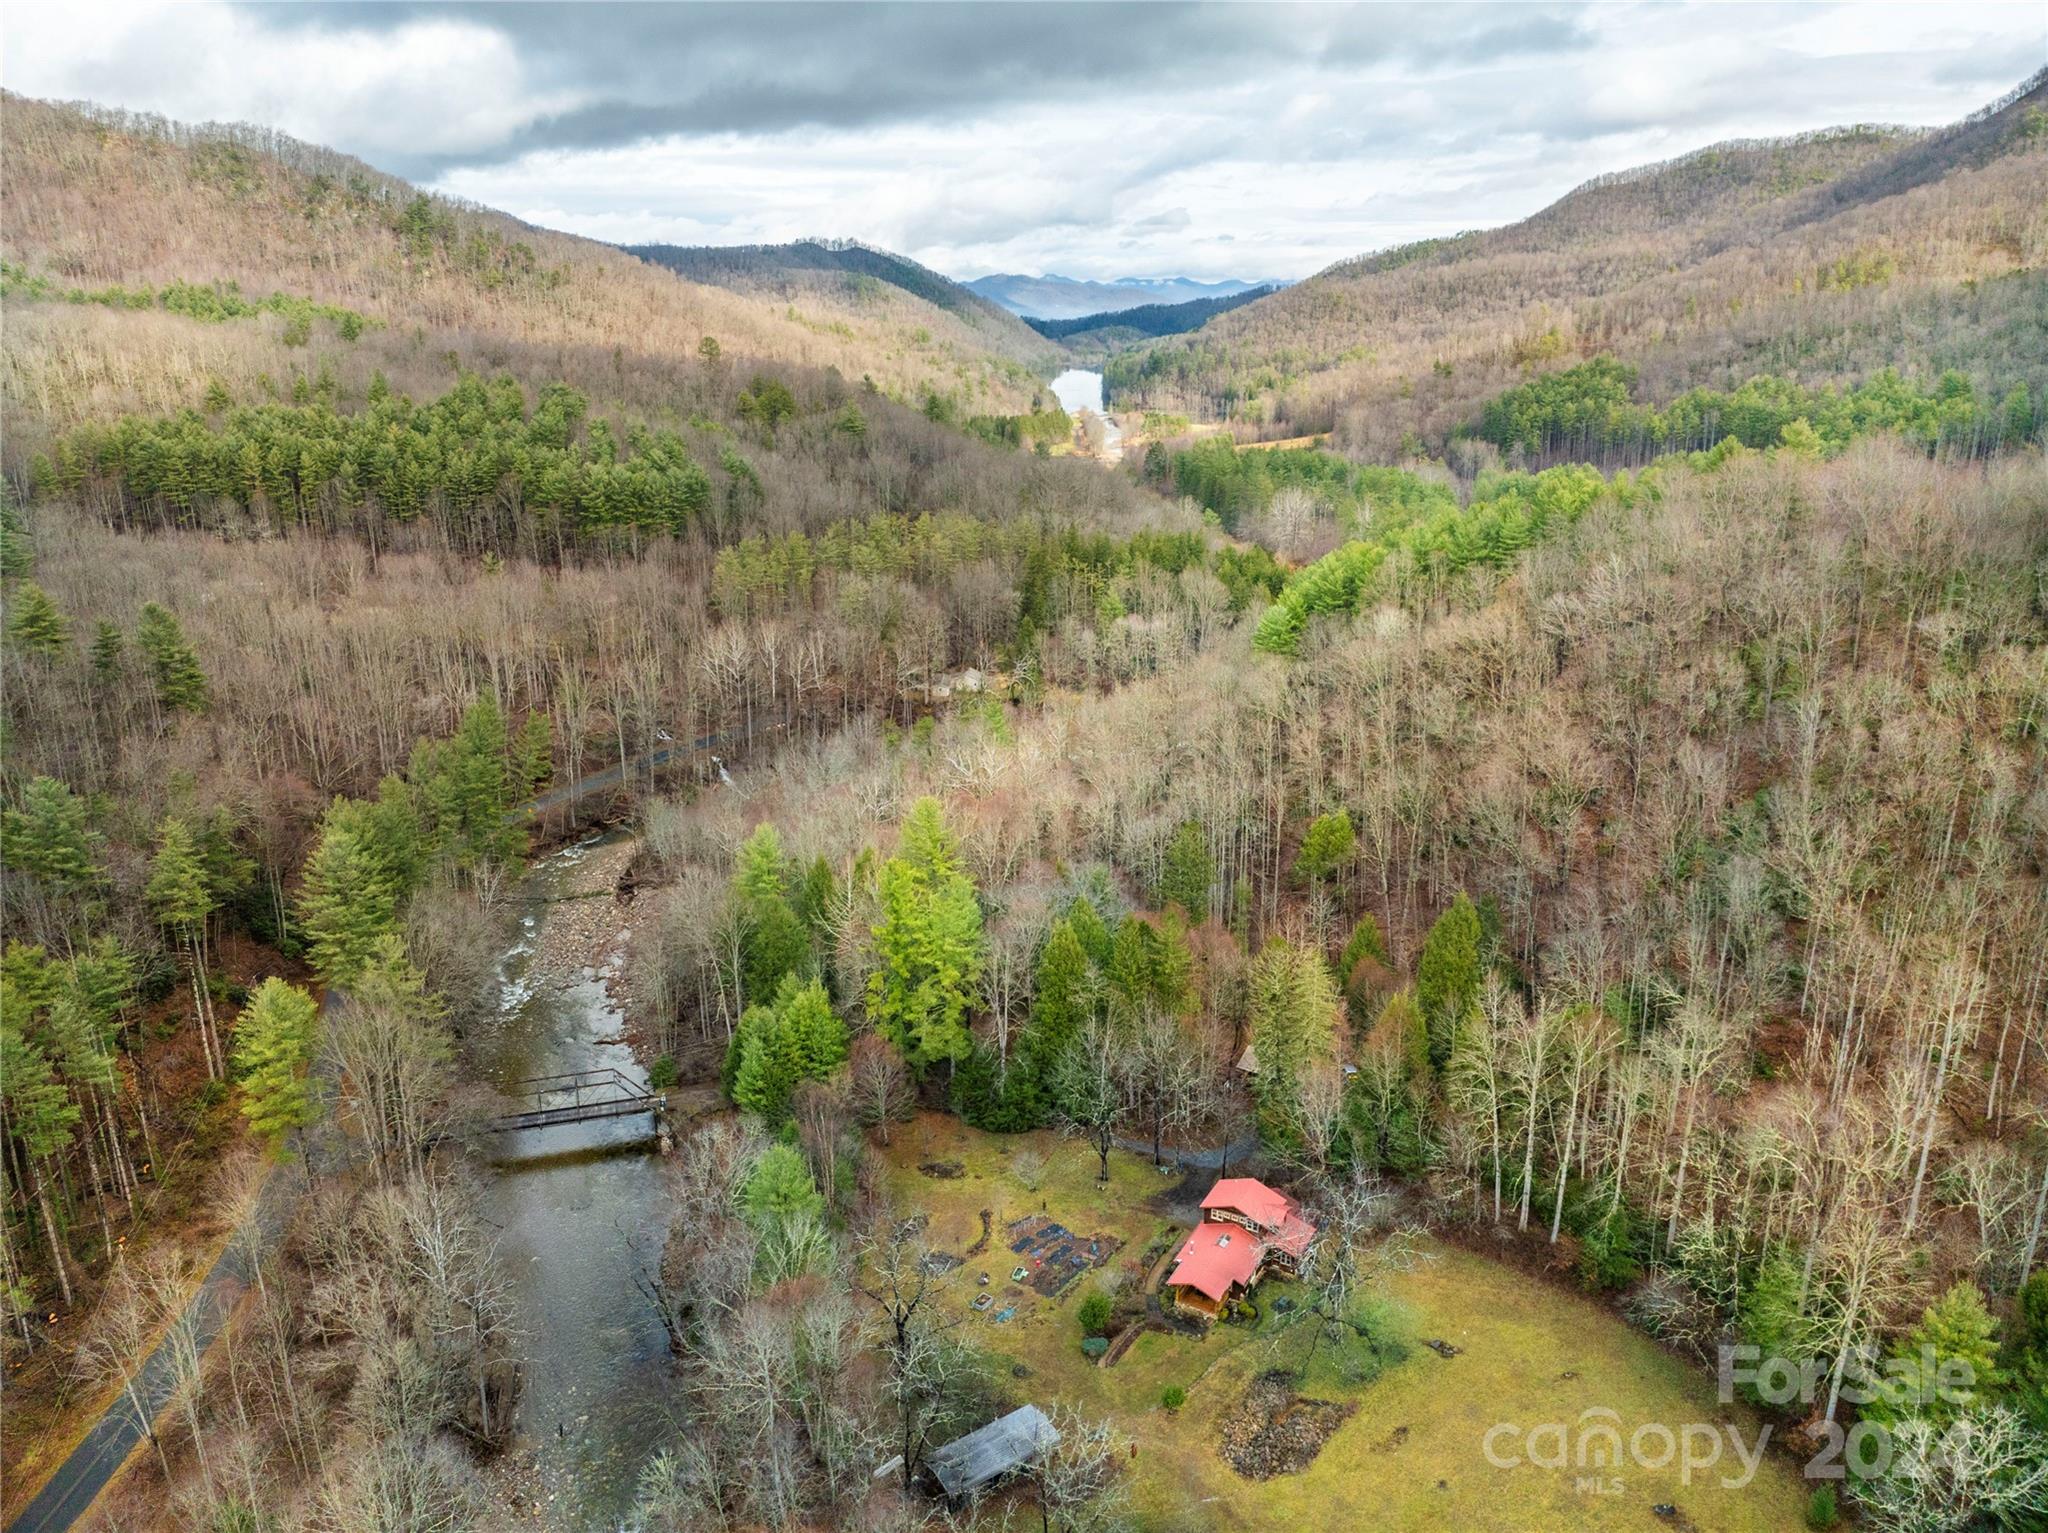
x: 576, y: 1096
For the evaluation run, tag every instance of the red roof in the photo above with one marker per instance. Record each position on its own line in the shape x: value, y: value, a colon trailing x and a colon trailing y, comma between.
x: 1217, y: 1257
x: 1254, y: 1199
x: 1293, y: 1237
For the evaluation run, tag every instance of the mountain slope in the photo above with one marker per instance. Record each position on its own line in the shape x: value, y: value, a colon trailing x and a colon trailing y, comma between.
x: 1055, y: 297
x: 856, y: 279
x: 1813, y: 256
x: 1148, y: 319
x: 96, y: 201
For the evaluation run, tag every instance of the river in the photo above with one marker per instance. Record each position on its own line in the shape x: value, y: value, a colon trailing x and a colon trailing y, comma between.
x: 1080, y: 392
x: 582, y: 1211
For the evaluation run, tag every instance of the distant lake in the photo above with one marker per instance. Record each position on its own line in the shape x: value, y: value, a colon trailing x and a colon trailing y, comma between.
x: 1077, y: 390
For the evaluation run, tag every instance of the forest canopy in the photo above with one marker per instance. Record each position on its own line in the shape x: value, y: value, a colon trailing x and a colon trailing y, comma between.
x: 1590, y: 411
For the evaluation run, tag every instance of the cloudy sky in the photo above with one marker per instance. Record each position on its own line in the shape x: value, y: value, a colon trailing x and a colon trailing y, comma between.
x: 1096, y: 140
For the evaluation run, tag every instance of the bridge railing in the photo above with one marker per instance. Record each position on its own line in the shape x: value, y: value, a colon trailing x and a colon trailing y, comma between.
x: 575, y: 1096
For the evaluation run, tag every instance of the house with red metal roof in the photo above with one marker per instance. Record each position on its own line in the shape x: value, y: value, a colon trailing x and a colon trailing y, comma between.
x: 1247, y: 1229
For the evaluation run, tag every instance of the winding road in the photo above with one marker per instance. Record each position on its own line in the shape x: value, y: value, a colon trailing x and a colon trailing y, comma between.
x: 99, y: 1456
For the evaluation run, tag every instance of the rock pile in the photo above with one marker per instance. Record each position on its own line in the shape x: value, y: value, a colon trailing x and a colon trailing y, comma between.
x: 1275, y: 1431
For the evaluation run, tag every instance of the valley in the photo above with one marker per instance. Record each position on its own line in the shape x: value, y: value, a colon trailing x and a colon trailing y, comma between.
x: 1390, y: 896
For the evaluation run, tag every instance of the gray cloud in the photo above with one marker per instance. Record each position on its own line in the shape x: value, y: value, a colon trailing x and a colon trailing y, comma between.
x: 643, y: 71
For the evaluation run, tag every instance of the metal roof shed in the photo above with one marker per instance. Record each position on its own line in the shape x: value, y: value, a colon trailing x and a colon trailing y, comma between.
x: 964, y: 1465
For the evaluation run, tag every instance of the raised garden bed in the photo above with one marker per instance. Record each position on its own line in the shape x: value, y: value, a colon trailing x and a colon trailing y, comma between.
x: 1054, y: 1254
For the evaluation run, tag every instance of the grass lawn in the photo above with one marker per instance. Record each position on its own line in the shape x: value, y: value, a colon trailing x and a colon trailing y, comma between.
x: 1411, y: 1455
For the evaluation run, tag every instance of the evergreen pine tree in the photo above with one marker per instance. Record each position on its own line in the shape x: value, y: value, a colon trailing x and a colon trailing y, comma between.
x: 818, y: 1035
x: 1366, y: 941
x: 536, y: 753
x: 769, y: 1065
x: 107, y: 647
x: 1130, y: 969
x: 752, y: 1021
x: 1447, y: 978
x: 1293, y: 1006
x: 34, y: 625
x: 173, y: 667
x: 273, y: 1048
x: 2025, y: 1359
x: 348, y: 903
x: 17, y: 557
x: 774, y: 943
x: 1088, y: 926
x: 1188, y: 872
x: 49, y: 838
x: 1947, y: 1364
x: 1329, y: 844
x: 780, y: 1189
x: 464, y: 785
x: 817, y: 900
x: 42, y: 1118
x: 929, y: 941
x: 182, y: 897
x: 1771, y: 1314
x: 1063, y: 996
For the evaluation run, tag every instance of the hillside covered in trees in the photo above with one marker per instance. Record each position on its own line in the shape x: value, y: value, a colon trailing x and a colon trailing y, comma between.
x: 1820, y: 259
x: 1613, y: 843
x: 856, y: 276
x: 250, y: 208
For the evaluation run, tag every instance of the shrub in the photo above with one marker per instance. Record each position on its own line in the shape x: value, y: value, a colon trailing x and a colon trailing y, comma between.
x: 1094, y: 1313
x: 1094, y: 1346
x: 1173, y: 1397
x: 663, y: 1073
x: 1820, y: 1508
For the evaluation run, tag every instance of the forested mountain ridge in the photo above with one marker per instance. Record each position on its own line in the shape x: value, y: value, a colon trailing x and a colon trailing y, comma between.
x: 1055, y: 297
x: 1113, y: 326
x: 1822, y: 257
x: 99, y: 201
x: 851, y: 273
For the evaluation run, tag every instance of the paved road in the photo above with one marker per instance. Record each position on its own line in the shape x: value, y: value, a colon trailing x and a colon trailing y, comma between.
x: 93, y: 1464
x: 78, y: 1481
x: 1211, y: 1158
x: 103, y: 1450
x: 613, y: 778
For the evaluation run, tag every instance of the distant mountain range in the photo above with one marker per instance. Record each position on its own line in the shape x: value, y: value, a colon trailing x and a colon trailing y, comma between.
x: 1116, y: 326
x: 848, y: 272
x: 1055, y: 297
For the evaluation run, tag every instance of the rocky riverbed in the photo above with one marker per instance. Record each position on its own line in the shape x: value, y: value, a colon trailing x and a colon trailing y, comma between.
x: 588, y: 925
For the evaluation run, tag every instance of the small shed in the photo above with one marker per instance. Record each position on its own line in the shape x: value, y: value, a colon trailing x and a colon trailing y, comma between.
x: 966, y: 1464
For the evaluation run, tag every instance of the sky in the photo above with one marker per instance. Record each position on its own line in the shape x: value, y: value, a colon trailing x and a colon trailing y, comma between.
x: 1093, y: 140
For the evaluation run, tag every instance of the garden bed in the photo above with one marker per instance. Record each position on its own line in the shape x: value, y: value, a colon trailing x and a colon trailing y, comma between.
x: 1055, y: 1254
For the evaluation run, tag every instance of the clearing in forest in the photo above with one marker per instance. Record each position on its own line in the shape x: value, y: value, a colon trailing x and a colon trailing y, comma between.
x: 1409, y: 1444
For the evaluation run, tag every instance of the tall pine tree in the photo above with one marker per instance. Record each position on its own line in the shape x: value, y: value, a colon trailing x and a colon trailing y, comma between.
x: 350, y: 898
x: 274, y: 1039
x: 929, y: 941
x: 1447, y: 979
x: 34, y: 625
x: 173, y: 666
x: 182, y: 897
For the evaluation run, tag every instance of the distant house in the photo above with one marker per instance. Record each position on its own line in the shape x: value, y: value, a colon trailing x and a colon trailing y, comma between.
x: 1247, y: 1229
x: 967, y: 1464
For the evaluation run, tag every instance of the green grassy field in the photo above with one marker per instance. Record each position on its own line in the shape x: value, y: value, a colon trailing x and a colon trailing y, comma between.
x: 1412, y: 1453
